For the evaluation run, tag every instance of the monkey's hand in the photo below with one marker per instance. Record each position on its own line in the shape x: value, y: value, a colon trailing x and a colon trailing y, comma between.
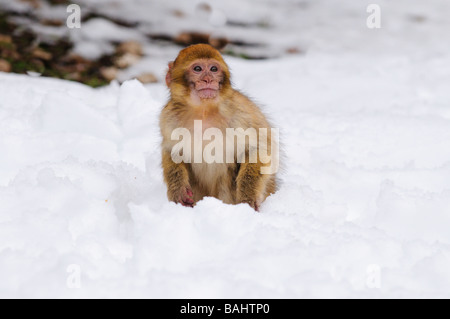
x: 176, y: 177
x: 184, y: 196
x: 255, y: 204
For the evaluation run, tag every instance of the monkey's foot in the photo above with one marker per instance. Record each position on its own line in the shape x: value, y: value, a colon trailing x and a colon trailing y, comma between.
x: 186, y: 197
x: 253, y: 204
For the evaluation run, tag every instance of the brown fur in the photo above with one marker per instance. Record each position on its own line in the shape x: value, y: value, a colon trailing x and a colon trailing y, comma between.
x: 232, y: 183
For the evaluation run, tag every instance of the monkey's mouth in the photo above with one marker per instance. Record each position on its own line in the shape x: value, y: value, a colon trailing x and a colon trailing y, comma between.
x: 208, y: 93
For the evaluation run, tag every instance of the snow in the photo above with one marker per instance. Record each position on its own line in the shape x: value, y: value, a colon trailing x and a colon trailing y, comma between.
x: 93, y: 39
x: 363, y: 209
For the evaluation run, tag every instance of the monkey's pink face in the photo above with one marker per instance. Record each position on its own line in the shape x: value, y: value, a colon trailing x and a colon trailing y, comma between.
x: 205, y: 78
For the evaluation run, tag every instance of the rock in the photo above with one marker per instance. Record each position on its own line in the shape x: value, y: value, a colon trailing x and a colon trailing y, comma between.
x: 75, y: 76
x: 5, y: 38
x: 127, y: 60
x: 36, y: 4
x: 109, y: 73
x: 8, y: 49
x: 10, y: 54
x: 189, y: 38
x: 131, y: 47
x: 147, y: 78
x: 52, y: 22
x: 5, y: 66
x: 219, y: 43
x: 178, y: 13
x: 294, y: 50
x: 205, y: 7
x: 58, y: 2
x: 72, y: 64
x: 418, y: 18
x: 42, y: 55
x: 36, y: 65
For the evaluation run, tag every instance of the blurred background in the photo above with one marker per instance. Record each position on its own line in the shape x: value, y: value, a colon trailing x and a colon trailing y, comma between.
x: 125, y: 39
x: 364, y: 117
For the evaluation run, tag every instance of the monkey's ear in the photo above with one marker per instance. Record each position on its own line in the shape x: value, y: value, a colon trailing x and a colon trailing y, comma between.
x: 169, y: 75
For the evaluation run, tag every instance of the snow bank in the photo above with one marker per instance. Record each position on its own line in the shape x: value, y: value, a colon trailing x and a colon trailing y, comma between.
x: 364, y: 205
x: 365, y: 183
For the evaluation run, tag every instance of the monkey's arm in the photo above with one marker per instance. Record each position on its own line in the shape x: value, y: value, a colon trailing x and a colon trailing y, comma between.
x: 251, y: 185
x: 176, y: 177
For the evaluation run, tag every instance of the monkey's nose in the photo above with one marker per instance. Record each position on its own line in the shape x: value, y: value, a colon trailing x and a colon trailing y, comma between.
x: 208, y: 79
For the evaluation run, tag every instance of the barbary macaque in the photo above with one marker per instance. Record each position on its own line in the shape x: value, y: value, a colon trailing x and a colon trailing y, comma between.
x: 200, y: 90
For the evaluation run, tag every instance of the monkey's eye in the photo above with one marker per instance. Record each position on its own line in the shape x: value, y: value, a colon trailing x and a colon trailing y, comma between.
x: 214, y: 69
x: 198, y: 69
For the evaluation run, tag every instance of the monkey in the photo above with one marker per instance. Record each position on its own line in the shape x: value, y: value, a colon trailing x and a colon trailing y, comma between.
x: 199, y: 81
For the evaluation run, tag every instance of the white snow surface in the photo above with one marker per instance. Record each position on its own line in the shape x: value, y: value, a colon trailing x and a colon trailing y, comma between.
x: 363, y: 209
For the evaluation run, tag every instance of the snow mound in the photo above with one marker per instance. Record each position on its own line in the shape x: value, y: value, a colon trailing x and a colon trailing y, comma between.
x: 363, y: 209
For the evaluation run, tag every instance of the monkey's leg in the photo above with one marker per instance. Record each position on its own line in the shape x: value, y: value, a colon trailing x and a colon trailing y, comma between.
x: 251, y: 185
x: 176, y: 177
x: 226, y: 189
x: 197, y: 189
